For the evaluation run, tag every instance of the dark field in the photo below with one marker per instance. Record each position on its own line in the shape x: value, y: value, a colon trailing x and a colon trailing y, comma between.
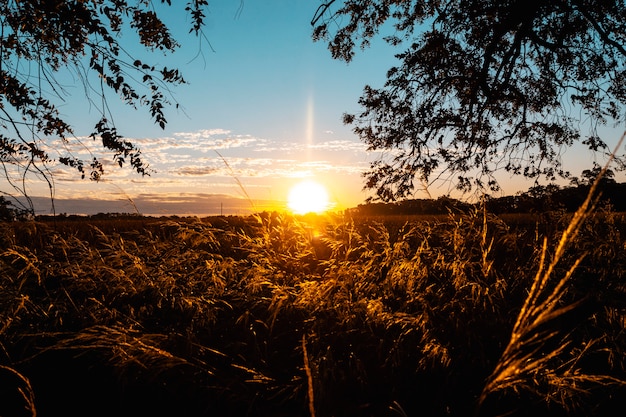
x: 275, y: 315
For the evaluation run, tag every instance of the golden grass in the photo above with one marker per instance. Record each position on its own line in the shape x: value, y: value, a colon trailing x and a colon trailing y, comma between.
x: 525, y: 363
x: 322, y: 315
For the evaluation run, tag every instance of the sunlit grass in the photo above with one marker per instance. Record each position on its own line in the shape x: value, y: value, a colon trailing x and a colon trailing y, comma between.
x: 314, y: 314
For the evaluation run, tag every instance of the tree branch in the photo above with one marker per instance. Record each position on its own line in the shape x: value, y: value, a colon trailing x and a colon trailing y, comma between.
x: 603, y: 34
x: 320, y: 12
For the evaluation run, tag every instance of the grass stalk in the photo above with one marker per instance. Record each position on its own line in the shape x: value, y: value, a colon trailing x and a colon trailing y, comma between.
x: 309, y: 376
x: 27, y: 393
x: 525, y: 357
x: 232, y: 174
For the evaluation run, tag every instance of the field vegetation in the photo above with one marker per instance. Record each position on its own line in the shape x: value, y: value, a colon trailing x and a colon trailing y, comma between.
x: 326, y: 315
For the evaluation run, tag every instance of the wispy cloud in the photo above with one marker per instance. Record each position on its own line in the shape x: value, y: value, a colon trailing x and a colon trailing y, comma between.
x: 196, y: 171
x: 339, y: 145
x: 331, y: 146
x: 266, y: 167
x: 214, y: 139
x: 204, y: 133
x: 217, y: 160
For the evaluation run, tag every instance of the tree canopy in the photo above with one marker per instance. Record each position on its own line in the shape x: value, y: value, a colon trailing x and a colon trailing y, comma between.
x: 40, y: 38
x: 481, y: 85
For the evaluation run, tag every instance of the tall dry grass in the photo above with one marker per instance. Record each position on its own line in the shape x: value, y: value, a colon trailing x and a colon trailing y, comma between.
x: 275, y: 314
x: 543, y: 357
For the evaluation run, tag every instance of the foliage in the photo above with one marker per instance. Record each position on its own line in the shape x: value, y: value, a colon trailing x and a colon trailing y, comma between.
x: 537, y: 199
x: 41, y: 39
x: 9, y: 212
x: 280, y: 315
x: 481, y: 85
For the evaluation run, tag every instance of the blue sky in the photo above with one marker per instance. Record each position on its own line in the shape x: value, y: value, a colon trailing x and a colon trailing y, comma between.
x: 261, y: 112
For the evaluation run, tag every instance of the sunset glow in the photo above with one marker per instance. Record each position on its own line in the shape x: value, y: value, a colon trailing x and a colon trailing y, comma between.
x: 308, y: 197
x: 250, y: 119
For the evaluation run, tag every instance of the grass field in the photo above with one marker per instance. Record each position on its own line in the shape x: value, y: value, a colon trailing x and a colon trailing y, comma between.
x: 278, y: 315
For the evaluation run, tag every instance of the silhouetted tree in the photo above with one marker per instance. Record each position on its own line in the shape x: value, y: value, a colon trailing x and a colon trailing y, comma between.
x: 6, y: 210
x: 40, y: 38
x: 9, y: 212
x: 590, y: 175
x: 481, y: 85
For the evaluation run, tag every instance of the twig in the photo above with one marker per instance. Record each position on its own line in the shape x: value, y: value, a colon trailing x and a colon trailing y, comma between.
x: 309, y: 376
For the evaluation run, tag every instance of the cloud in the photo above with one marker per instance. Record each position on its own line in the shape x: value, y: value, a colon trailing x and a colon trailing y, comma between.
x: 203, y: 134
x: 196, y: 171
x: 214, y: 139
x: 214, y: 160
x: 339, y: 145
x: 330, y: 146
x: 237, y: 167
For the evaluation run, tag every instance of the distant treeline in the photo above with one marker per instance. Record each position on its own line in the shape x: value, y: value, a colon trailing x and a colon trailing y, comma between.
x: 537, y: 199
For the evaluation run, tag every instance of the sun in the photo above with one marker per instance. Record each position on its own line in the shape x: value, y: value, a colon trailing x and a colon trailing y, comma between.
x: 308, y: 197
